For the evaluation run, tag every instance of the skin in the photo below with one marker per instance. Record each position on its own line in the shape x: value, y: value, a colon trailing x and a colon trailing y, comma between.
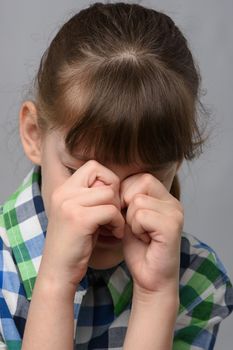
x: 139, y: 192
x: 143, y: 215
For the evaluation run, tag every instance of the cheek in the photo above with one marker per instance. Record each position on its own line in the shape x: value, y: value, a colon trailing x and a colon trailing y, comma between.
x: 50, y: 181
x: 168, y: 179
x: 45, y: 195
x: 168, y: 183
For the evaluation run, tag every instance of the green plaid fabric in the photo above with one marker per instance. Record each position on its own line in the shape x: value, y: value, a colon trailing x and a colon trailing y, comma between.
x: 103, y: 298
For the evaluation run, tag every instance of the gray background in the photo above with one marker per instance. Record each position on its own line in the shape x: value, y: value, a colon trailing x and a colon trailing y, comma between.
x: 26, y: 29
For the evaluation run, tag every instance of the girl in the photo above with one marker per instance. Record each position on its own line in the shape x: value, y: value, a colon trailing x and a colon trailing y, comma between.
x: 93, y: 255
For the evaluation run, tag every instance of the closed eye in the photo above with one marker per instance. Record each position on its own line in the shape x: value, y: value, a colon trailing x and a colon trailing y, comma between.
x: 70, y: 170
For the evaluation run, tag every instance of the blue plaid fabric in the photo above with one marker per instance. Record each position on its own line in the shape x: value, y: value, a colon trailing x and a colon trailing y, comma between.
x: 102, y: 301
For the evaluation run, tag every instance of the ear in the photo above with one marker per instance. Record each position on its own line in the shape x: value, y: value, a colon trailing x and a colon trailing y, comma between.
x: 30, y: 133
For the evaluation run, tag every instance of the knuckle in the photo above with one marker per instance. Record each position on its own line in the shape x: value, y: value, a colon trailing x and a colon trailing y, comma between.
x: 177, y: 209
x: 179, y: 205
x: 116, y: 181
x: 179, y: 212
x: 110, y: 192
x: 93, y: 163
x: 56, y: 198
x: 112, y: 210
x: 147, y: 178
x: 139, y: 200
x: 139, y: 214
x: 181, y: 208
x: 178, y: 218
x: 176, y: 213
x: 127, y: 198
x: 68, y: 212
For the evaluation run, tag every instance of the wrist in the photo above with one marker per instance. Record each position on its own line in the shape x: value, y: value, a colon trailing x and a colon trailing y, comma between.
x: 60, y: 278
x: 169, y: 296
x: 154, y: 314
x: 55, y: 285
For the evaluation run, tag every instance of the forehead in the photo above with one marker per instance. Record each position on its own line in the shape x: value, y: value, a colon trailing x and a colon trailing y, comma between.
x: 78, y: 155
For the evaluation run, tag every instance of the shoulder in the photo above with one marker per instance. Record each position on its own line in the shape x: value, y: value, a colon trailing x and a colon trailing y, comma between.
x: 8, y: 268
x: 4, y: 241
x: 203, y: 278
x: 198, y: 258
x: 206, y: 295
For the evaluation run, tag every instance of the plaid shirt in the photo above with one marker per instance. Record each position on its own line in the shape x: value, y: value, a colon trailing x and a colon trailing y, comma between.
x: 103, y: 298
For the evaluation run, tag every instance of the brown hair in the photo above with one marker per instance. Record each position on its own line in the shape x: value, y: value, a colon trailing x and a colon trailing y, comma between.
x: 120, y: 78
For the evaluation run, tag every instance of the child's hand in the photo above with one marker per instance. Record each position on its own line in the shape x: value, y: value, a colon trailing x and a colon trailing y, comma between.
x: 88, y: 199
x: 151, y: 244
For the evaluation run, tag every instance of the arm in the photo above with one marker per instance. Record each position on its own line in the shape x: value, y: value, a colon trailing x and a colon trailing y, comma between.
x: 73, y: 220
x: 151, y: 246
x: 151, y: 323
x: 50, y: 321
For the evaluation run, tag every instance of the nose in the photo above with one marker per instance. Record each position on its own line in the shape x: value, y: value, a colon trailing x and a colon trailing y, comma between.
x: 124, y: 171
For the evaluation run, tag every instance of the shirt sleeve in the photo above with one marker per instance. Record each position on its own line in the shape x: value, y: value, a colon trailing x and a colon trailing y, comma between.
x: 199, y: 325
x: 206, y: 298
x: 2, y: 344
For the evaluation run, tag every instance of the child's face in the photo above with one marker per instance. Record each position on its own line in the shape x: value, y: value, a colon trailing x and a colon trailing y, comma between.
x: 49, y: 152
x: 55, y: 159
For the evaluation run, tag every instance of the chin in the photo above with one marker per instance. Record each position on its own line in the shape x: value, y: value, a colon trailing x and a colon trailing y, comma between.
x: 103, y: 258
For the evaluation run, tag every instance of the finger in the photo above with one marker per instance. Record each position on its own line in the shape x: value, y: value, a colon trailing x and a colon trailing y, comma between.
x: 98, y: 195
x: 146, y: 202
x: 89, y: 196
x: 88, y: 173
x: 142, y: 183
x: 145, y: 237
x: 137, y: 230
x: 140, y: 235
x: 106, y: 215
x: 155, y: 225
x: 114, y: 195
x: 132, y: 244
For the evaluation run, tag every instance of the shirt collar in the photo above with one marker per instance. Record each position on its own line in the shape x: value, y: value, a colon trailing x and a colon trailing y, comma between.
x: 26, y: 224
x: 119, y: 283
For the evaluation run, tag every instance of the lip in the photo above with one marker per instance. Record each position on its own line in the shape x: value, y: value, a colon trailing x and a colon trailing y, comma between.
x: 105, y: 231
